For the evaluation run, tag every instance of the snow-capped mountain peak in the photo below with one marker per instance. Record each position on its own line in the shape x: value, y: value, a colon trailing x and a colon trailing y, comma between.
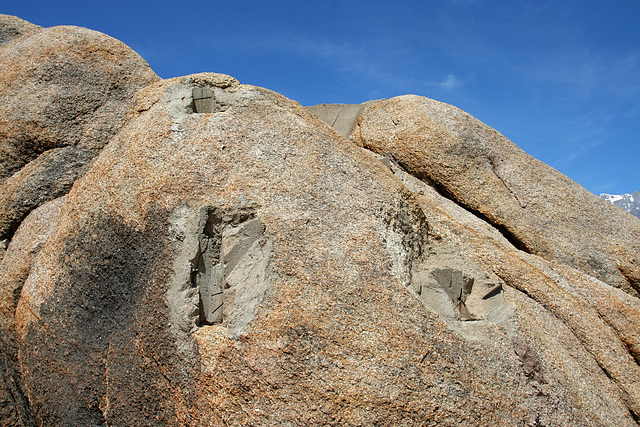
x: 628, y: 202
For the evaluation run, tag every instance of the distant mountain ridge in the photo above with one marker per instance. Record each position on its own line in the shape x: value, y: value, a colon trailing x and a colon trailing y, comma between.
x: 628, y: 202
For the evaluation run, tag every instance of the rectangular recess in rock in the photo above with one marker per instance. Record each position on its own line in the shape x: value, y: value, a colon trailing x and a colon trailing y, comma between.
x: 207, y: 275
x: 203, y: 101
x: 456, y: 289
x: 229, y: 271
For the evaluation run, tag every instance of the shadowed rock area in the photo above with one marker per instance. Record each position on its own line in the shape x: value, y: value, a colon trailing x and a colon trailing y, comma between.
x: 230, y: 259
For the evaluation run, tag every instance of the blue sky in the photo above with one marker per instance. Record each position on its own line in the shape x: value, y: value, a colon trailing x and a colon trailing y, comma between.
x: 561, y: 79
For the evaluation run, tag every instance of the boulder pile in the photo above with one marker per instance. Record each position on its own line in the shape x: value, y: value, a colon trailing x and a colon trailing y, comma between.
x: 197, y: 251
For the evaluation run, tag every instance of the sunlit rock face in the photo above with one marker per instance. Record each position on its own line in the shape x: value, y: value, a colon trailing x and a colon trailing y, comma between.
x: 537, y: 208
x: 63, y: 95
x: 230, y: 259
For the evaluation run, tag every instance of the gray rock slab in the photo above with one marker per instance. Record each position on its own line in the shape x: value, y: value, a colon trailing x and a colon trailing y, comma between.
x: 341, y: 117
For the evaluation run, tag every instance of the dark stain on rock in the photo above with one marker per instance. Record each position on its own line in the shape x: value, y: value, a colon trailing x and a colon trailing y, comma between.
x: 528, y: 357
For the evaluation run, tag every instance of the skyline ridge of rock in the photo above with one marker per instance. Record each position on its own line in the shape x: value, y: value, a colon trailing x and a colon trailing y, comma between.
x: 484, y: 172
x: 220, y: 255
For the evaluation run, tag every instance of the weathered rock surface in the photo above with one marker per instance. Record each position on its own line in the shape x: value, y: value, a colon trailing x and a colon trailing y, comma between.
x: 540, y: 210
x: 14, y: 269
x: 601, y: 321
x: 12, y: 27
x: 249, y: 266
x: 63, y: 95
x: 229, y: 259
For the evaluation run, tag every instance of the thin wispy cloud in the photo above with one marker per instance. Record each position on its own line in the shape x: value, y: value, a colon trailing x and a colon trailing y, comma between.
x: 545, y: 49
x: 461, y: 2
x: 375, y: 64
x: 383, y: 63
x: 603, y: 188
x: 632, y: 112
x: 581, y: 74
x: 583, y: 149
x: 583, y: 134
x: 451, y: 82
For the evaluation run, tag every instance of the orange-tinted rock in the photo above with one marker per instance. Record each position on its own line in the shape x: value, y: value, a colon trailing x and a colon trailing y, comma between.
x: 536, y: 207
x: 228, y: 259
x: 60, y: 87
x: 329, y: 273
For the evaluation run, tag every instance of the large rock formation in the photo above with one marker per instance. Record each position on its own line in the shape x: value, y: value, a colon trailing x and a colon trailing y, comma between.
x: 229, y: 259
x: 537, y: 208
x: 63, y: 95
x: 14, y: 269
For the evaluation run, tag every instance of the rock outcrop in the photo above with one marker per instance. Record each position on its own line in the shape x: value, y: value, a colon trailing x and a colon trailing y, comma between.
x: 229, y: 259
x: 63, y: 95
x: 14, y: 269
x: 537, y: 208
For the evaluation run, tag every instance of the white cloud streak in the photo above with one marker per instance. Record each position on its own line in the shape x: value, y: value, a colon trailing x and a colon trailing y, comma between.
x: 603, y: 188
x: 450, y: 83
x: 364, y: 62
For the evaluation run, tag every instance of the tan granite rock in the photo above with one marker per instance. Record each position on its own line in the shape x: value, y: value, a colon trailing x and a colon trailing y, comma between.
x: 229, y: 259
x: 12, y: 27
x: 583, y: 331
x: 14, y: 269
x: 63, y: 95
x: 249, y: 266
x: 537, y: 208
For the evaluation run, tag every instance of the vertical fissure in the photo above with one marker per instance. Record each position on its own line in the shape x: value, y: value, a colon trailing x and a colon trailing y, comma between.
x: 207, y: 276
x: 228, y: 271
